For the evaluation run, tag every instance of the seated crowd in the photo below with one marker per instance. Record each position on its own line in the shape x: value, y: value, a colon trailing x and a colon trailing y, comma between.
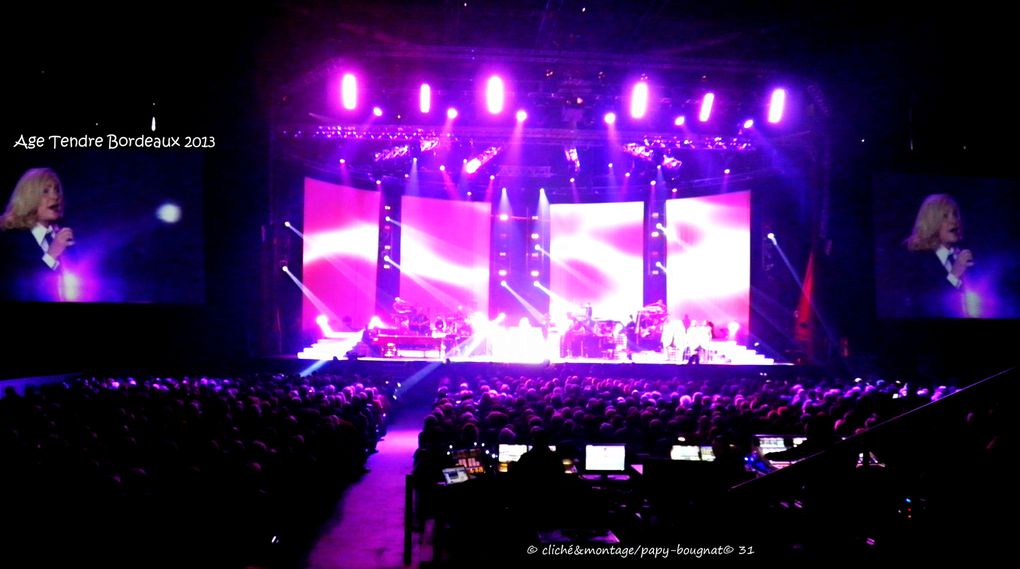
x: 191, y: 469
x: 651, y: 415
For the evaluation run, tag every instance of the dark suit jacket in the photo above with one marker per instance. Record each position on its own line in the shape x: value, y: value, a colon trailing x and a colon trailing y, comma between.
x: 23, y: 274
x: 923, y: 290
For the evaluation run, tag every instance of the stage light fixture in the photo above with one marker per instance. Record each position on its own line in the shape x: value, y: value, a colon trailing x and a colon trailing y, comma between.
x: 495, y: 95
x: 349, y: 91
x: 639, y: 100
x: 777, y: 104
x: 425, y: 98
x: 706, y: 107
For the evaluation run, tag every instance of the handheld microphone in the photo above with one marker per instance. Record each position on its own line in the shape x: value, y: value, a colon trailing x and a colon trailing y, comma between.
x: 56, y: 230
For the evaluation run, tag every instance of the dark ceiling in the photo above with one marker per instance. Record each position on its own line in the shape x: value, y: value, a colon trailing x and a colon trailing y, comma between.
x: 933, y: 74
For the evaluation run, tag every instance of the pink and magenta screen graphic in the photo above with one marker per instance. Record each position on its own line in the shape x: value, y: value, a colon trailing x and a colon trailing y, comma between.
x: 444, y: 255
x: 341, y: 227
x: 597, y: 257
x: 708, y: 258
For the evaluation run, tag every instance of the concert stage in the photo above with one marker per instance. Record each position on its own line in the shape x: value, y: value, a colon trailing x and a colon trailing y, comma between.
x: 517, y: 348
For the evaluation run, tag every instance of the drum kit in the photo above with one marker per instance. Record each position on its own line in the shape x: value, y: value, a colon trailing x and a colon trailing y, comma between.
x: 416, y: 321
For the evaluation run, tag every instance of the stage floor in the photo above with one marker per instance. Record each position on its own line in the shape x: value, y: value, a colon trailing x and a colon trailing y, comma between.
x: 716, y: 353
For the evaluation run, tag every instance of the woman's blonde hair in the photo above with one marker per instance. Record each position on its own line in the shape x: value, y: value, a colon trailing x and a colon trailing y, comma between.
x: 22, y: 209
x: 934, y: 210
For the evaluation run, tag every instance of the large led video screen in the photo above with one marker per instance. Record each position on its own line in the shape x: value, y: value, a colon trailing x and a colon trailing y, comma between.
x: 708, y: 259
x: 946, y: 247
x: 444, y: 256
x: 341, y: 228
x: 597, y: 258
x: 115, y: 226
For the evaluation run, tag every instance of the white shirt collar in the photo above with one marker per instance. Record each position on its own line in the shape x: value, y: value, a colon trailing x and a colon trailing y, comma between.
x: 39, y: 231
x: 943, y: 253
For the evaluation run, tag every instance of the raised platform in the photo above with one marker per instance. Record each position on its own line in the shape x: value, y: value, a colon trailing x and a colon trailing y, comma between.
x: 431, y: 349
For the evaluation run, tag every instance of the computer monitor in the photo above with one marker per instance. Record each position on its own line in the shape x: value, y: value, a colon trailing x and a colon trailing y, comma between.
x: 455, y: 475
x: 605, y: 458
x: 707, y: 454
x: 684, y: 452
x: 511, y: 453
x: 771, y: 443
x: 470, y: 459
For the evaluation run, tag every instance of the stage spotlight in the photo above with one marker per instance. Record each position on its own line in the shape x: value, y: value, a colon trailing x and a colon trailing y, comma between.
x: 522, y: 115
x: 343, y: 161
x: 442, y: 167
x: 504, y: 217
x: 386, y: 219
x: 776, y: 105
x: 706, y: 107
x: 492, y: 177
x: 771, y: 237
x: 610, y: 118
x: 425, y: 98
x: 655, y: 234
x: 535, y: 235
x: 377, y: 111
x: 726, y: 171
x: 571, y: 180
x: 749, y: 123
x: 349, y: 91
x: 285, y: 269
x: 538, y: 247
x: 495, y: 95
x: 286, y: 224
x: 639, y: 100
x: 472, y: 165
x: 501, y: 272
x: 502, y: 283
x: 534, y: 273
x: 679, y: 121
x: 536, y: 283
x: 451, y: 113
